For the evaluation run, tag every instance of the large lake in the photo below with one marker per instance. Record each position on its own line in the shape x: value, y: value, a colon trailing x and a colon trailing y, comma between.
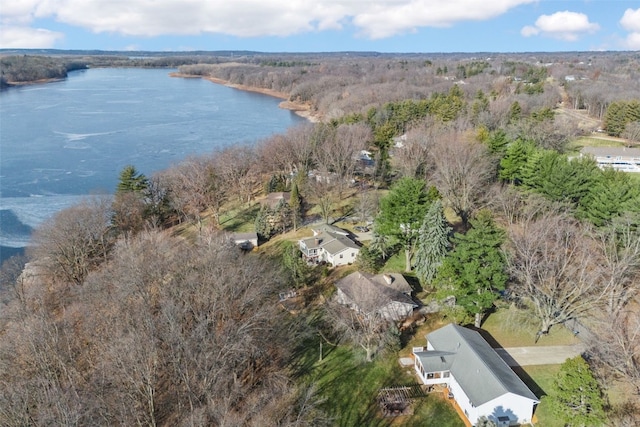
x: 62, y: 141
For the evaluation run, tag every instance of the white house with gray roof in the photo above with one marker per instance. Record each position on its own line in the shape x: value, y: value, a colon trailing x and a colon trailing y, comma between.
x: 329, y: 244
x: 620, y: 158
x: 481, y: 383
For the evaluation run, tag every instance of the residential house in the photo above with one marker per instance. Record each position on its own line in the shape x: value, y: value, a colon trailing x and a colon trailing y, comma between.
x: 387, y: 295
x: 329, y: 244
x: 619, y: 158
x: 481, y: 383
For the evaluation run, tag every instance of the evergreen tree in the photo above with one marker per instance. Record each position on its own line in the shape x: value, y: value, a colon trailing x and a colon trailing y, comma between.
x: 263, y: 224
x: 529, y: 176
x: 498, y: 141
x: 514, y: 160
x: 401, y: 214
x: 295, y: 266
x: 515, y: 112
x: 613, y: 193
x: 566, y: 180
x: 433, y: 242
x: 131, y: 181
x: 295, y: 204
x: 474, y: 271
x: 369, y: 260
x: 576, y: 397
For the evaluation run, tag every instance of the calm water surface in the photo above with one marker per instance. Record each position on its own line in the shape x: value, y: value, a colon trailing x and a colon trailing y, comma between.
x: 62, y: 141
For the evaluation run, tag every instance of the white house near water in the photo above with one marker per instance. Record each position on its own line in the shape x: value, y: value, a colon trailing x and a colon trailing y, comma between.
x: 480, y: 382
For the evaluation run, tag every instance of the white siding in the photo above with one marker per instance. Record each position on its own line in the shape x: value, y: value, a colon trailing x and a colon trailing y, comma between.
x: 518, y: 408
x: 348, y: 256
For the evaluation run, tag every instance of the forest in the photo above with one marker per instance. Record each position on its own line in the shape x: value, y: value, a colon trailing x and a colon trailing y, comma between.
x: 137, y: 308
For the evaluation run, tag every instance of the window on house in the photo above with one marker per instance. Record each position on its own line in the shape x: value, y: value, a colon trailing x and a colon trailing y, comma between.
x: 445, y: 374
x: 340, y: 255
x: 430, y: 376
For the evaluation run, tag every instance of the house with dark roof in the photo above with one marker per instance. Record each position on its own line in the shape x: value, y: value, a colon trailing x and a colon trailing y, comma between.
x: 329, y: 244
x: 480, y: 382
x: 386, y: 295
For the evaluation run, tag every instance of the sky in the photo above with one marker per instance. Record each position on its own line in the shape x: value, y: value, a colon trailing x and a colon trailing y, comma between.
x: 322, y: 25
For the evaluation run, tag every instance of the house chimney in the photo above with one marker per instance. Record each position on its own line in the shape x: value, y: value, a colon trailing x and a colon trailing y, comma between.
x: 387, y: 278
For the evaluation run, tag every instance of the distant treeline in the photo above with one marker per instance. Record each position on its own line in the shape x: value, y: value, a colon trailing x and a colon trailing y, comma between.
x: 21, y: 69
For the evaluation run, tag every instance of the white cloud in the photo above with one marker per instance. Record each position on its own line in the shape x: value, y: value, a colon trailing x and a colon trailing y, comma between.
x: 253, y: 18
x: 28, y: 38
x: 568, y: 26
x: 631, y: 22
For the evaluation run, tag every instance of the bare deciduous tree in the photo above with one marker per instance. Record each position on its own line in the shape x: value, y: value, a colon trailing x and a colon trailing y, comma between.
x: 237, y: 166
x: 364, y: 325
x: 412, y: 159
x: 194, y: 186
x: 616, y: 344
x: 619, y: 245
x: 75, y: 241
x: 556, y: 269
x: 463, y: 170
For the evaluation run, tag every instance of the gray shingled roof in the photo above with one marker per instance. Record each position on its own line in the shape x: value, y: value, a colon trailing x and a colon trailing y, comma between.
x: 370, y: 294
x: 331, y: 242
x: 398, y: 282
x: 478, y: 369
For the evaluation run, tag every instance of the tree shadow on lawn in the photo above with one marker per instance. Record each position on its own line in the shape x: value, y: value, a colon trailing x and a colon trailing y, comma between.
x: 348, y: 385
x: 241, y: 219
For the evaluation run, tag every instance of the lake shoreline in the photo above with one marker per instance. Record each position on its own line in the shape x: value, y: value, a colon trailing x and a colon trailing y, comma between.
x: 301, y: 109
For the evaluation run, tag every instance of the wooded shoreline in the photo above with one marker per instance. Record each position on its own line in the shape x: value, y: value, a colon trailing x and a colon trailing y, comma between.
x: 301, y: 109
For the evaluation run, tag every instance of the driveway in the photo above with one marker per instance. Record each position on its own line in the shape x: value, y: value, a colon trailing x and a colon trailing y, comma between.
x: 539, y: 355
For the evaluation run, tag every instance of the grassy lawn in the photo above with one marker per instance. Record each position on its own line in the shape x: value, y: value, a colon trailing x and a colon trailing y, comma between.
x: 512, y: 327
x: 349, y: 387
x: 395, y: 263
x: 601, y: 141
x: 540, y: 379
x: 240, y: 219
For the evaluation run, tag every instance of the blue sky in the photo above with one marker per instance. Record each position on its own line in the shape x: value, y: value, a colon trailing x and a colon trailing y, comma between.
x: 322, y: 25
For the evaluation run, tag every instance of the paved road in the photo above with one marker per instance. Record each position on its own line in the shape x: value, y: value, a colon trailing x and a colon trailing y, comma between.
x: 539, y: 355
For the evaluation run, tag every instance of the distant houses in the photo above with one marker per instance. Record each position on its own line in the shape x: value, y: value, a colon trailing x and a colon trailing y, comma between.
x: 619, y: 158
x: 386, y: 295
x: 331, y: 245
x: 480, y: 382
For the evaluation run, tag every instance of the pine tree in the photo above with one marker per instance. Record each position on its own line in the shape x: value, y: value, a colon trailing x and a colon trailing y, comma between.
x: 514, y: 160
x: 576, y: 397
x: 515, y: 112
x: 613, y: 193
x: 295, y: 205
x: 131, y: 181
x: 474, y: 271
x: 433, y: 242
x: 401, y: 214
